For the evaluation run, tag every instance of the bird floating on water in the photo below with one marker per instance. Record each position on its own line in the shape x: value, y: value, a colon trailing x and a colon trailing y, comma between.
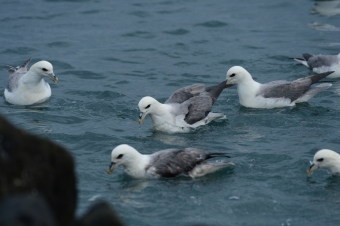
x: 27, y: 87
x: 166, y: 163
x: 186, y: 109
x: 274, y: 94
x: 326, y: 159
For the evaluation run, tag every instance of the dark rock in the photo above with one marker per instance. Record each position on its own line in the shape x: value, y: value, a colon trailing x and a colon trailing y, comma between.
x: 34, y: 165
x: 100, y: 214
x: 25, y: 210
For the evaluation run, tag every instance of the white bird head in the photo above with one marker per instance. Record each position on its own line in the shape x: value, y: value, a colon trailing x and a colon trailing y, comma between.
x: 327, y: 159
x: 44, y: 69
x: 237, y: 74
x: 122, y: 155
x: 146, y: 106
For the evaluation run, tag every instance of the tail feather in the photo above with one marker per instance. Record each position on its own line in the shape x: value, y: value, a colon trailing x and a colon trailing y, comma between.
x: 215, y: 91
x: 301, y: 61
x: 205, y: 168
x: 212, y: 116
x: 312, y: 92
x: 317, y: 77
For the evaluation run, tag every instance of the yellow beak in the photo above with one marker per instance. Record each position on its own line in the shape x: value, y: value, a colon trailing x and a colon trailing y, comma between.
x: 141, y: 118
x: 112, y: 167
x: 311, y: 169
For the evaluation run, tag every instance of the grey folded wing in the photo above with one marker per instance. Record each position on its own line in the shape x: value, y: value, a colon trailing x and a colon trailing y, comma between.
x: 198, y: 108
x: 15, y: 73
x: 284, y: 89
x: 185, y: 93
x: 173, y: 162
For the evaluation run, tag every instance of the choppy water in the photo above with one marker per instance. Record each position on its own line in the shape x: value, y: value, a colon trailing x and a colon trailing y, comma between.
x: 109, y: 54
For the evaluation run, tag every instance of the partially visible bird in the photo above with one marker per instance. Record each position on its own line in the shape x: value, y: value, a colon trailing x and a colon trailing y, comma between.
x: 322, y: 63
x: 326, y: 159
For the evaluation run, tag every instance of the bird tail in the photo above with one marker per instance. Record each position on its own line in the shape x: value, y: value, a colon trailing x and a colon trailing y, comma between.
x: 215, y: 91
x: 313, y: 91
x: 205, y: 168
x: 317, y: 77
x: 304, y: 60
x: 212, y: 116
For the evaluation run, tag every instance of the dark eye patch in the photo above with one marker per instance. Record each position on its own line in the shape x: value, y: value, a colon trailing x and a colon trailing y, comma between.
x: 119, y: 156
x: 232, y: 75
x: 320, y: 160
x: 44, y: 69
x: 147, y: 106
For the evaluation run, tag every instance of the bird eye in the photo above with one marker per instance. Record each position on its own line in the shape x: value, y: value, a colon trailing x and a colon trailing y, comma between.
x: 44, y: 69
x: 320, y: 160
x: 119, y: 156
x: 147, y: 106
x: 232, y: 75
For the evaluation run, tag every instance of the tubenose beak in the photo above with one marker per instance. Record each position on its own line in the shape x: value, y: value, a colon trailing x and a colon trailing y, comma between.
x: 229, y: 82
x: 112, y: 167
x: 141, y: 118
x: 312, y: 168
x: 53, y: 78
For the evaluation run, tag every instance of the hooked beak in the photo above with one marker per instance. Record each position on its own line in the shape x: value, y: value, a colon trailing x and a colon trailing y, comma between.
x: 311, y: 168
x: 53, y: 78
x: 141, y: 117
x: 112, y: 167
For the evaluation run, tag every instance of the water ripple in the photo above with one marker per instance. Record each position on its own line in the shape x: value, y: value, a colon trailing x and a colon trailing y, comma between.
x: 179, y: 31
x: 212, y: 24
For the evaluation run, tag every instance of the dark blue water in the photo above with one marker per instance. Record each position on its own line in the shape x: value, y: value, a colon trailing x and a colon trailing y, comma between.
x: 109, y: 54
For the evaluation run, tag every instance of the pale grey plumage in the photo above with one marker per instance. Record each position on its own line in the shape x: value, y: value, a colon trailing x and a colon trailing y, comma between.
x: 315, y: 61
x: 186, y: 109
x: 197, y: 100
x: 322, y: 63
x: 15, y: 73
x: 291, y: 90
x: 173, y: 162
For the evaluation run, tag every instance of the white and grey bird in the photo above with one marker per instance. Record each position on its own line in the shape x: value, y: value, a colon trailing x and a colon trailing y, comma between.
x: 274, y: 94
x: 322, y: 63
x: 186, y: 109
x: 166, y: 163
x: 27, y: 87
x: 326, y: 159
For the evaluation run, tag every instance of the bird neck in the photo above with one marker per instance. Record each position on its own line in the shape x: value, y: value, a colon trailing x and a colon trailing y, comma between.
x: 32, y: 79
x: 248, y: 87
x: 160, y: 109
x: 135, y: 167
x: 157, y: 116
x: 334, y: 167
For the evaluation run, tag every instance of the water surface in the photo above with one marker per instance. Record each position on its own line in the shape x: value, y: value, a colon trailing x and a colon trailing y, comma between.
x: 109, y: 54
